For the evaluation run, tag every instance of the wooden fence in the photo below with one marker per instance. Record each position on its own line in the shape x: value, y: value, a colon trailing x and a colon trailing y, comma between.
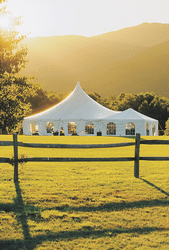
x: 136, y: 158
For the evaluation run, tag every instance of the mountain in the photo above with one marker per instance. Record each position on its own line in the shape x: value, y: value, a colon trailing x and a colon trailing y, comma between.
x: 145, y: 72
x: 133, y: 59
x: 146, y: 34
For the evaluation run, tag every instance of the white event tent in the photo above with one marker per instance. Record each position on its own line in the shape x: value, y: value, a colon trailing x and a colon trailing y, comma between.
x: 130, y: 122
x: 79, y: 114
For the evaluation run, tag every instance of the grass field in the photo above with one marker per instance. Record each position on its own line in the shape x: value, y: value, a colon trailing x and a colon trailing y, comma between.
x: 85, y: 205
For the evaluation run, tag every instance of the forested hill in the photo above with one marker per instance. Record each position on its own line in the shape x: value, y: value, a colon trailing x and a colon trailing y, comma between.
x: 133, y: 60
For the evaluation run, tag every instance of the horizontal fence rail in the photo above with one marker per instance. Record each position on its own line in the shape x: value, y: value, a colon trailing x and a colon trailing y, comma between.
x: 6, y: 143
x: 125, y: 144
x: 4, y: 160
x: 154, y: 158
x: 136, y: 159
x: 155, y: 142
x: 34, y: 145
x: 70, y: 159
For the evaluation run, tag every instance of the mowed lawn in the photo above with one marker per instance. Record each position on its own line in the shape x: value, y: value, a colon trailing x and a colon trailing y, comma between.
x: 97, y: 205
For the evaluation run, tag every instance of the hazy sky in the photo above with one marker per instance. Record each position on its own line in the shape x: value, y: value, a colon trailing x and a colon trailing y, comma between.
x: 86, y: 17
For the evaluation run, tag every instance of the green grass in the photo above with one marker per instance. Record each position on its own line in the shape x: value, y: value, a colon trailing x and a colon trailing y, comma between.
x: 85, y: 205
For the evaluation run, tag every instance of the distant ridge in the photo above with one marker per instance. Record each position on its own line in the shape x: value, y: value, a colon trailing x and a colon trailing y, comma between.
x: 145, y: 34
x: 133, y: 60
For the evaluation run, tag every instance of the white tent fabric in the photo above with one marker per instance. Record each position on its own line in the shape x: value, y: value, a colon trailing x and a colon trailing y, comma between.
x: 139, y: 120
x: 79, y: 108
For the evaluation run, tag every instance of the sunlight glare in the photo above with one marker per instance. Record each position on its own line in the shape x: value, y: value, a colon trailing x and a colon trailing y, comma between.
x: 6, y: 22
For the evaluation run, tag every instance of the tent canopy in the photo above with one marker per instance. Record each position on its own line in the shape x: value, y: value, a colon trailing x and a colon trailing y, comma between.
x: 78, y: 105
x: 130, y: 114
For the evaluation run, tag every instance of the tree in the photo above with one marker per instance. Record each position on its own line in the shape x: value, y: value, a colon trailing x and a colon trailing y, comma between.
x: 43, y: 99
x: 12, y: 101
x: 14, y: 88
x: 167, y: 127
x: 97, y: 97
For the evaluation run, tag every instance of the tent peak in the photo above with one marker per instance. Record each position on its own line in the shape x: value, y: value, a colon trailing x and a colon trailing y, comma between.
x: 78, y: 87
x: 129, y: 109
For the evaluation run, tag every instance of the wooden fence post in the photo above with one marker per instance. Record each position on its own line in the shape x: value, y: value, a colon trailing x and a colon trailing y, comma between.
x: 15, y: 146
x: 136, y: 162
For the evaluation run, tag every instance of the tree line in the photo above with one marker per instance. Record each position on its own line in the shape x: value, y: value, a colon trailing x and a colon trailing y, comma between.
x: 21, y: 96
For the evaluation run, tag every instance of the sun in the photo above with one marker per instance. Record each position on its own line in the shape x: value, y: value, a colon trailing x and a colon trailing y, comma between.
x: 6, y: 22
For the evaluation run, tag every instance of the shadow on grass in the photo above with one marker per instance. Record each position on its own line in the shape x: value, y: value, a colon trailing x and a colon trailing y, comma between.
x: 112, y: 206
x: 71, y: 235
x: 151, y: 184
x: 23, y: 212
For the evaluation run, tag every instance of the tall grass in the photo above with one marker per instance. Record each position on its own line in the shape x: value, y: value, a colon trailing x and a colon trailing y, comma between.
x: 85, y: 205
